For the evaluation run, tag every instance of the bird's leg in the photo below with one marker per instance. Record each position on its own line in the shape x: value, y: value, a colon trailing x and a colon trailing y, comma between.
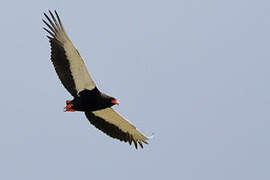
x: 68, y: 102
x: 69, y: 106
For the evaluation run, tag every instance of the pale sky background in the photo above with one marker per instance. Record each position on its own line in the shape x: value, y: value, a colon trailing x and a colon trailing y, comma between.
x: 194, y: 72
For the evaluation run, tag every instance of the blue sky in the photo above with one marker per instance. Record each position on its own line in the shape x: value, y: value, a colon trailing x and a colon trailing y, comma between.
x: 195, y: 73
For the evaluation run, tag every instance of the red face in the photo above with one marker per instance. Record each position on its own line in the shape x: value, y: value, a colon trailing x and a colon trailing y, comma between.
x: 114, y: 101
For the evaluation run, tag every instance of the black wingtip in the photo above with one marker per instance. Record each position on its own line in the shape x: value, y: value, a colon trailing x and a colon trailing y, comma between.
x: 46, y: 15
x: 129, y: 138
x: 49, y: 37
x: 49, y: 32
x: 135, y: 143
x: 50, y: 12
x: 140, y: 143
x: 145, y: 141
x: 58, y: 18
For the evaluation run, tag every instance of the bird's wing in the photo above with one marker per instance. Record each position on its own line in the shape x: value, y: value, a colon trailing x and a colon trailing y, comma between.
x: 67, y: 61
x: 114, y: 125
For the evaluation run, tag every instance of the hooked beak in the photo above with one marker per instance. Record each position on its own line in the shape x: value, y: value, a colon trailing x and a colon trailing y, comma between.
x: 114, y: 101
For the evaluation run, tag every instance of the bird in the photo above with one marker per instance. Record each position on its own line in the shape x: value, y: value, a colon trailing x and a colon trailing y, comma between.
x: 87, y: 98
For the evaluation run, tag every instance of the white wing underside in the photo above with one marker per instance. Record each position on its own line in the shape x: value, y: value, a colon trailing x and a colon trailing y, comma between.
x: 81, y: 76
x: 113, y: 117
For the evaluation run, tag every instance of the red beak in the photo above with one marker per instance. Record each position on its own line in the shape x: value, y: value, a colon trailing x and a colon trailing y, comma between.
x: 114, y: 101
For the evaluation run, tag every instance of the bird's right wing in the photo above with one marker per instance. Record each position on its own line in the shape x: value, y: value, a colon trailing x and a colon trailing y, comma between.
x: 114, y: 125
x: 67, y: 61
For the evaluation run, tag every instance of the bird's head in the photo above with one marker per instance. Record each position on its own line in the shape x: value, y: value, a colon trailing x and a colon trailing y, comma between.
x: 114, y: 101
x: 108, y: 101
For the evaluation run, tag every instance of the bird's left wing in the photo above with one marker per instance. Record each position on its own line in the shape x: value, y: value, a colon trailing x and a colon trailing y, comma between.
x: 67, y: 61
x: 114, y: 125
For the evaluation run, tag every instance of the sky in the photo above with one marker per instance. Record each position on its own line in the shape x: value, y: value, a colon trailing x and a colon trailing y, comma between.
x: 193, y: 72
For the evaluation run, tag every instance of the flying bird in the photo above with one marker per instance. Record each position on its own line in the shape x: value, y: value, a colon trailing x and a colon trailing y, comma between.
x: 87, y: 98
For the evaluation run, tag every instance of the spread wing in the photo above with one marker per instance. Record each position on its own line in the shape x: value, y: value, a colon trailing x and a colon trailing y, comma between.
x: 114, y: 125
x: 67, y: 61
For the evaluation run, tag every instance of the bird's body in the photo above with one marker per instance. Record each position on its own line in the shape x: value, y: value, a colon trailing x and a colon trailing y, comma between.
x: 91, y: 100
x: 73, y: 74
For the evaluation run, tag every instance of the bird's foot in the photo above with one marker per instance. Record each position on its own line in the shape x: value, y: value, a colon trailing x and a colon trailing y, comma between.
x: 69, y: 106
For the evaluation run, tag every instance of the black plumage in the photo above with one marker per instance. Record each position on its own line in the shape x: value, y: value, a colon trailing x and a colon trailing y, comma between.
x: 75, y: 77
